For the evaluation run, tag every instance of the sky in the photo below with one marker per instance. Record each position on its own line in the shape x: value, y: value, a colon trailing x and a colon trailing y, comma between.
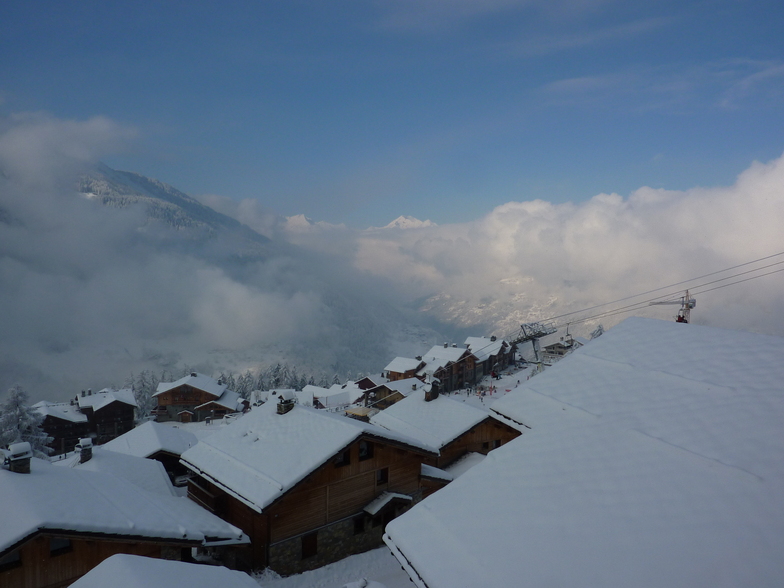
x: 356, y: 112
x: 569, y: 153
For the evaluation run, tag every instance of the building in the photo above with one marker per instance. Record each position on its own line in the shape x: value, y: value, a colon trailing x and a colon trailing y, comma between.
x: 393, y: 391
x: 102, y: 416
x: 452, y: 367
x: 159, y: 442
x: 59, y: 522
x: 452, y: 427
x: 652, y: 458
x: 307, y: 486
x: 491, y: 353
x: 195, y: 397
x: 402, y: 368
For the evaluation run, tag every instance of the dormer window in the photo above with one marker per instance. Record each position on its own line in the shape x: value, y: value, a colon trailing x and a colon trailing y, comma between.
x: 365, y: 450
x: 343, y: 458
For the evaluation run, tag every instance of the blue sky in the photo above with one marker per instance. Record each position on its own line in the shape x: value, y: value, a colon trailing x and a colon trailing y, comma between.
x: 357, y: 112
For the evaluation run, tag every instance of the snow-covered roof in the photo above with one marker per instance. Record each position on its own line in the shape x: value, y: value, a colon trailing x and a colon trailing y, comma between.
x: 150, y: 438
x: 653, y: 459
x: 428, y: 471
x: 405, y: 386
x: 263, y: 455
x: 60, y: 410
x: 383, y: 499
x: 484, y: 347
x: 400, y: 365
x: 145, y: 473
x: 195, y: 380
x: 78, y: 500
x: 135, y: 571
x: 229, y: 399
x: 105, y: 397
x: 435, y: 423
x: 448, y: 353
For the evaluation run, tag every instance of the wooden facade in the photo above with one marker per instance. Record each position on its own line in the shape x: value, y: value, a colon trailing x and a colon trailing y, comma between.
x: 56, y: 560
x: 184, y: 399
x: 457, y: 374
x: 110, y: 421
x: 65, y: 433
x: 481, y: 438
x: 291, y: 533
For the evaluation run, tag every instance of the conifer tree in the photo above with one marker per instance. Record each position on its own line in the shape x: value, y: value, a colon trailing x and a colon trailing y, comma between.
x: 19, y: 422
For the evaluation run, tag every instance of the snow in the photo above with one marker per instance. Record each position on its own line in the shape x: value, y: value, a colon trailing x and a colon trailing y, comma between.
x: 195, y: 380
x: 73, y: 499
x: 653, y: 459
x: 483, y: 347
x: 435, y: 423
x: 61, y: 410
x: 149, y: 438
x: 105, y: 397
x: 377, y: 565
x: 465, y: 463
x: 229, y: 399
x: 383, y: 499
x: 448, y: 353
x: 401, y: 365
x: 145, y: 572
x: 144, y: 473
x: 264, y: 454
x: 428, y: 471
x: 409, y: 222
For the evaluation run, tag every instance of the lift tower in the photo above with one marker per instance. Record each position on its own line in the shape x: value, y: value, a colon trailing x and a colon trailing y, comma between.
x: 686, y: 302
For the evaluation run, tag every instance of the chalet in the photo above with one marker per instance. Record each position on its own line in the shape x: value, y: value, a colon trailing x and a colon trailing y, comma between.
x: 402, y: 368
x: 160, y: 442
x: 307, y: 486
x: 368, y: 382
x: 393, y: 391
x: 492, y: 354
x: 144, y: 473
x: 101, y: 416
x: 652, y: 458
x: 195, y: 397
x: 452, y: 427
x: 452, y: 366
x: 555, y: 351
x: 59, y: 522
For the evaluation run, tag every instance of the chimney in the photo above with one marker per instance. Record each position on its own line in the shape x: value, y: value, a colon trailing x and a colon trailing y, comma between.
x: 431, y: 394
x: 85, y: 448
x: 492, y: 338
x: 419, y: 358
x: 413, y: 386
x: 193, y: 374
x: 454, y: 344
x: 286, y: 401
x: 18, y: 457
x: 83, y: 393
x: 446, y: 344
x: 89, y: 392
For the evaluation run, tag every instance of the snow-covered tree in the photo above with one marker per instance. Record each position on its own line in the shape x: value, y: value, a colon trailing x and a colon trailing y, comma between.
x: 19, y: 422
x: 145, y: 385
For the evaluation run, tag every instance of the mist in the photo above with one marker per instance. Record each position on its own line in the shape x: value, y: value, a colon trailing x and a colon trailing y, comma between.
x: 92, y: 293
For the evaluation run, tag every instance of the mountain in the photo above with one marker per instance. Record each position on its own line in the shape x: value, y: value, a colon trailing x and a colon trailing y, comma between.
x: 409, y: 222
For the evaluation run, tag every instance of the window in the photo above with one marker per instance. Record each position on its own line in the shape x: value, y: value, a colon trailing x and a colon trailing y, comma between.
x: 382, y: 476
x: 309, y: 545
x: 486, y: 445
x: 10, y: 561
x: 365, y: 450
x: 496, y: 444
x: 343, y: 459
x: 59, y: 545
x: 359, y: 524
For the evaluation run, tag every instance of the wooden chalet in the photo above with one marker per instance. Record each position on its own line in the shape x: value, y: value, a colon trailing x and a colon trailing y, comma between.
x: 452, y: 366
x: 308, y: 487
x: 452, y: 427
x: 491, y: 353
x: 195, y: 398
x: 58, y: 523
x: 403, y: 368
x: 393, y: 391
x: 102, y: 416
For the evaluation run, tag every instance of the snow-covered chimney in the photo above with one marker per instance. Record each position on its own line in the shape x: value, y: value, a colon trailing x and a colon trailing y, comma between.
x: 431, y: 394
x: 85, y: 449
x: 193, y: 374
x: 89, y: 392
x: 492, y: 338
x: 446, y: 344
x: 286, y: 401
x: 454, y: 344
x: 83, y: 393
x: 419, y: 358
x: 18, y: 457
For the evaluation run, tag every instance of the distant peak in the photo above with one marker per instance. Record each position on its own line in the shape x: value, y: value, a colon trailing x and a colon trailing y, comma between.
x: 409, y: 222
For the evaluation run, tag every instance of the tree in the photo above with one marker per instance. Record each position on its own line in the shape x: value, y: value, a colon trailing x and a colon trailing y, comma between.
x: 19, y: 422
x: 143, y: 389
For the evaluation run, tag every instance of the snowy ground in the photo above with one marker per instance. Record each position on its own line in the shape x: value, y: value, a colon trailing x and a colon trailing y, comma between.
x: 378, y: 565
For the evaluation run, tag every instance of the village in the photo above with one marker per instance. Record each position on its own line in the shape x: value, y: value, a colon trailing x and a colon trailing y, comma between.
x: 487, y: 463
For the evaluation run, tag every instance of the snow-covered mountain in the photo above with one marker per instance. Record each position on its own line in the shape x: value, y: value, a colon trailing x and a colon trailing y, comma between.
x: 409, y: 222
x: 143, y: 276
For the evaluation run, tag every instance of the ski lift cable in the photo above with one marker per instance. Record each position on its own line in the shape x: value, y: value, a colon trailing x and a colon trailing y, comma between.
x: 664, y: 287
x: 639, y: 306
